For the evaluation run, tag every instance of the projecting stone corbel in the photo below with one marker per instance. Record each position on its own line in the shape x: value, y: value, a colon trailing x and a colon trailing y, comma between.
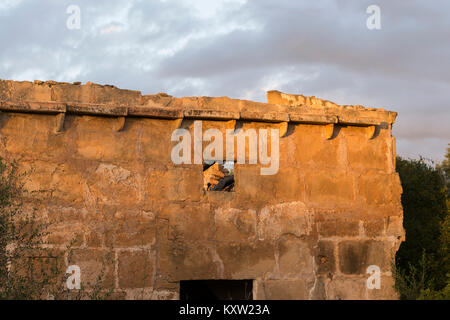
x: 283, y: 128
x: 178, y: 122
x: 231, y: 124
x: 119, y: 124
x: 371, y: 132
x: 329, y: 130
x: 59, y: 126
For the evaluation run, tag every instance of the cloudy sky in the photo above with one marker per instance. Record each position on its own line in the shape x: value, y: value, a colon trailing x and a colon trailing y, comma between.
x: 242, y: 48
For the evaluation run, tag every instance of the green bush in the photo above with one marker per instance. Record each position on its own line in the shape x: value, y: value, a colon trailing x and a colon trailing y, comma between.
x: 421, y: 268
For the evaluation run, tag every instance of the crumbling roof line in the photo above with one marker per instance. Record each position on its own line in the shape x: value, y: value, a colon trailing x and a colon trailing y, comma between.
x: 92, y: 99
x: 109, y: 110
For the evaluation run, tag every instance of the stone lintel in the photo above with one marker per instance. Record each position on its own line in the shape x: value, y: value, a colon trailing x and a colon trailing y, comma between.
x: 358, y: 121
x: 257, y: 112
x: 32, y: 107
x: 151, y: 112
x: 211, y: 114
x: 97, y: 109
x: 265, y: 117
x: 313, y: 118
x: 342, y: 117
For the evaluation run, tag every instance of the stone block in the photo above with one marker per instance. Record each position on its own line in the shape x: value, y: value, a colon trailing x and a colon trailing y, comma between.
x: 187, y: 260
x: 386, y: 291
x: 380, y: 189
x: 324, y: 258
x: 394, y: 226
x: 374, y: 227
x: 96, y: 265
x: 315, y: 150
x: 187, y: 220
x: 50, y: 180
x: 235, y: 224
x: 176, y: 184
x: 285, y: 289
x: 365, y: 153
x: 135, y: 268
x: 130, y: 228
x: 287, y: 218
x: 330, y: 187
x: 246, y: 260
x: 112, y: 95
x: 335, y: 225
x: 295, y: 258
x: 347, y: 289
x: 27, y: 91
x: 66, y: 92
x: 96, y: 136
x: 356, y: 256
x: 5, y: 90
x: 66, y: 233
x: 286, y: 185
x: 113, y: 184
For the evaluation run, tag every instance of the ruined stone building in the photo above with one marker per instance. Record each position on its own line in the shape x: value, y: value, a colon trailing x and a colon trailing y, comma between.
x: 99, y: 162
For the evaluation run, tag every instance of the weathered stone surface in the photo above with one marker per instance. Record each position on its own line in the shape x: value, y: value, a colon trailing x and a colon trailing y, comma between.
x: 347, y: 289
x: 235, y: 225
x: 288, y: 218
x: 368, y: 153
x: 295, y: 257
x: 386, y: 291
x: 377, y: 188
x: 103, y: 174
x: 330, y: 187
x: 135, y: 269
x: 188, y: 260
x: 27, y: 91
x: 395, y: 226
x: 325, y: 257
x: 314, y: 150
x: 374, y: 227
x: 247, y: 260
x: 176, y: 184
x: 286, y: 185
x: 34, y: 107
x: 130, y: 228
x: 163, y: 113
x: 356, y: 256
x: 96, y: 265
x: 285, y: 289
x: 185, y: 221
x: 337, y: 224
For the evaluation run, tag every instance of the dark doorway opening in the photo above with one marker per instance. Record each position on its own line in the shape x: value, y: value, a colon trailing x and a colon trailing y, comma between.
x: 211, y: 290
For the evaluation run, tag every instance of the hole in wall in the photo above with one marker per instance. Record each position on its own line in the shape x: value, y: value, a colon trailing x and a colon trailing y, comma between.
x: 218, y: 176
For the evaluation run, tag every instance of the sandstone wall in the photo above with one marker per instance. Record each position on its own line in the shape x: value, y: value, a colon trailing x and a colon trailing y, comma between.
x: 100, y: 166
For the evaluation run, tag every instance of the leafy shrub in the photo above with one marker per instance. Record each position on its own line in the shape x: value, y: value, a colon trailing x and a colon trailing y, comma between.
x: 421, y: 268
